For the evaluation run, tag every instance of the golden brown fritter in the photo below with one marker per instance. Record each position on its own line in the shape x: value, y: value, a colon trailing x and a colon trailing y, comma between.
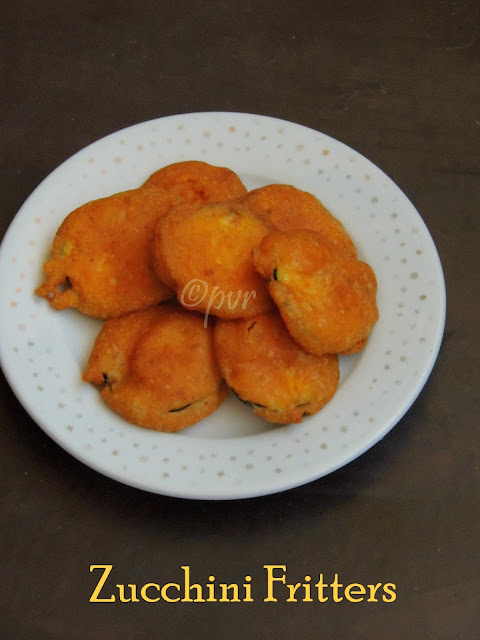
x: 289, y: 208
x: 355, y: 348
x: 101, y: 258
x: 326, y: 298
x: 270, y: 372
x: 206, y: 252
x: 199, y: 182
x: 157, y: 368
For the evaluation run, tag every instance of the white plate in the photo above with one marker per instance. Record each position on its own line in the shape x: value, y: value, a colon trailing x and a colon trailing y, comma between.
x: 231, y: 454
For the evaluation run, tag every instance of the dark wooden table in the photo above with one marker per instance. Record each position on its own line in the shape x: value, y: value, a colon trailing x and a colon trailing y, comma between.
x: 399, y: 82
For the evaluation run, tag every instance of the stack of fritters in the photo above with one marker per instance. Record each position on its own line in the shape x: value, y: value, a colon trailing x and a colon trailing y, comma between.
x: 269, y: 292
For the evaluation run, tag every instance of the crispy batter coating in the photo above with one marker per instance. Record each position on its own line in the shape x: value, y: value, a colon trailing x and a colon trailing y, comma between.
x: 199, y: 182
x: 326, y: 298
x: 290, y: 208
x: 101, y: 258
x: 157, y: 368
x: 355, y: 348
x: 270, y: 372
x: 206, y: 252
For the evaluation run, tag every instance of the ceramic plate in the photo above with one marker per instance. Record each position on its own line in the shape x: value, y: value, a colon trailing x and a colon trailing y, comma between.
x: 231, y: 454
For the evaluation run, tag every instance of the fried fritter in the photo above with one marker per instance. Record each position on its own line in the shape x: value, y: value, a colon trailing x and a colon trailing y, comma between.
x: 289, y: 208
x: 199, y: 182
x: 101, y: 258
x: 269, y: 371
x: 157, y: 368
x: 326, y: 298
x: 355, y: 348
x: 206, y: 252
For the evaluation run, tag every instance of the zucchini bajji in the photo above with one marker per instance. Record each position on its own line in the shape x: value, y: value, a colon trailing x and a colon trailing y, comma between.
x: 200, y: 182
x: 205, y: 253
x: 288, y: 208
x: 326, y: 298
x: 139, y: 364
x: 270, y: 372
x: 101, y: 259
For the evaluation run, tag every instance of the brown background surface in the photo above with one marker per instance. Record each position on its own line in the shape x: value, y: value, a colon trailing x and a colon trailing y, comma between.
x: 400, y: 85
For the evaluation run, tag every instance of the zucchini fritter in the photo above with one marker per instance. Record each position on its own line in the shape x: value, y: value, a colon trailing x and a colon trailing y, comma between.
x: 326, y: 298
x: 206, y: 252
x: 101, y: 258
x: 269, y: 371
x: 139, y: 361
x: 199, y: 182
x: 289, y: 208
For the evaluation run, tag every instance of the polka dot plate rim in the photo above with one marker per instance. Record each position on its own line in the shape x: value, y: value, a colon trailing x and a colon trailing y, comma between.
x: 232, y: 454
